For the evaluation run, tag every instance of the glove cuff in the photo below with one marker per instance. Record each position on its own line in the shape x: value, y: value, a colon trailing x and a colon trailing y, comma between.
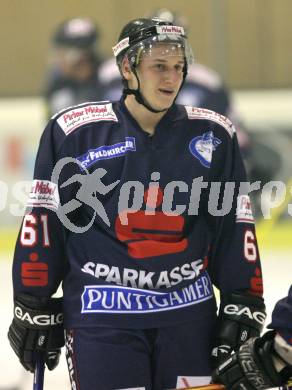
x: 30, y: 312
x: 244, y: 308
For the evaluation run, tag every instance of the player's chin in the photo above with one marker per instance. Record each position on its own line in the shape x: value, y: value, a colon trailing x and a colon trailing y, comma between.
x: 165, y: 103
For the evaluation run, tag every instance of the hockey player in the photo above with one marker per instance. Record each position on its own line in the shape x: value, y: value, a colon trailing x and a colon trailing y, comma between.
x: 74, y: 61
x: 126, y: 211
x: 264, y: 362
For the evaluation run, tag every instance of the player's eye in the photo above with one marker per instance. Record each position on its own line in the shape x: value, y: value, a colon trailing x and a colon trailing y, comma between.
x: 179, y: 68
x: 160, y: 67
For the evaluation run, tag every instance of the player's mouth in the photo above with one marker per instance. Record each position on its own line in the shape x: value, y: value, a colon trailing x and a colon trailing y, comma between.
x: 166, y: 92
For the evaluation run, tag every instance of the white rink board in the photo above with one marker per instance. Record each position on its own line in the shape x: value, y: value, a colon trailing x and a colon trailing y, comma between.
x: 277, y: 278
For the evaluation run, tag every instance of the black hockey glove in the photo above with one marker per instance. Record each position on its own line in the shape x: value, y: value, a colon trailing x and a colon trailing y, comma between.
x: 37, y: 326
x: 252, y: 367
x: 241, y: 316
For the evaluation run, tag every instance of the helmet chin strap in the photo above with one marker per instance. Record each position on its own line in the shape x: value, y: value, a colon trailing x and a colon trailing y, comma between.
x: 140, y: 98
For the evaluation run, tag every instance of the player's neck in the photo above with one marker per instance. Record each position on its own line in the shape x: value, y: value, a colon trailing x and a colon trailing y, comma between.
x: 146, y: 119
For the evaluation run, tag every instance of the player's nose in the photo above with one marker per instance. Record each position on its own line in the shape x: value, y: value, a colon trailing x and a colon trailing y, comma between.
x: 171, y: 77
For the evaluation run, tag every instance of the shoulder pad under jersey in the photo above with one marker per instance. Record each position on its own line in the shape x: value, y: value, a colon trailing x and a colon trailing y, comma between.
x: 73, y: 117
x: 203, y: 113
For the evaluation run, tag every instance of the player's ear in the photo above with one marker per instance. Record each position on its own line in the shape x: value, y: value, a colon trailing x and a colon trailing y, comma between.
x: 126, y: 69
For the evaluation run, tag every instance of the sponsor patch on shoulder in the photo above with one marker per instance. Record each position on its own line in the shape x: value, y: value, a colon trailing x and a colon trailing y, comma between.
x: 43, y: 193
x: 203, y: 113
x: 81, y: 115
x: 202, y: 147
x: 244, y: 211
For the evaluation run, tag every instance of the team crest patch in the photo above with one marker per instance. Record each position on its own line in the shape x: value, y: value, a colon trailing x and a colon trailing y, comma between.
x: 202, y: 147
x: 106, y: 152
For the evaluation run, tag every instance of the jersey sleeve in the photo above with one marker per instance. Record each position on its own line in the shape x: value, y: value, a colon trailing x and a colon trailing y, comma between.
x: 282, y: 317
x: 39, y: 260
x: 234, y: 257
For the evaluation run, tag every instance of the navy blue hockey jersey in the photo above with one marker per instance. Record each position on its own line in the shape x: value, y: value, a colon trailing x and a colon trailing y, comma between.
x: 137, y: 227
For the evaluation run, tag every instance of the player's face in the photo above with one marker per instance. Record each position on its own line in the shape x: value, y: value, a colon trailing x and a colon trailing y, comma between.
x: 161, y: 75
x: 74, y: 63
